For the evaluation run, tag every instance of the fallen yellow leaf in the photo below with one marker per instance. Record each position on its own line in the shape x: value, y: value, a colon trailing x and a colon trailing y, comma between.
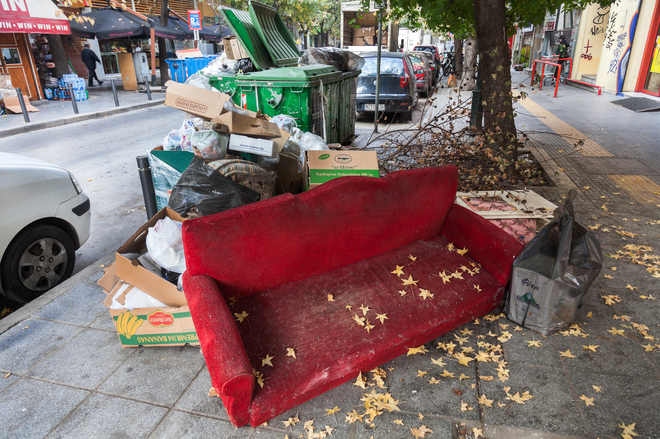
x: 587, y: 401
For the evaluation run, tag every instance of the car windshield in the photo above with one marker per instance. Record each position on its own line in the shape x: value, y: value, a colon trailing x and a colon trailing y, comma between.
x: 416, y: 60
x: 423, y: 49
x: 388, y: 66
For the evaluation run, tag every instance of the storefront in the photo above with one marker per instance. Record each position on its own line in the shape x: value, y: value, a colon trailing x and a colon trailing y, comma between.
x: 649, y: 78
x: 22, y: 24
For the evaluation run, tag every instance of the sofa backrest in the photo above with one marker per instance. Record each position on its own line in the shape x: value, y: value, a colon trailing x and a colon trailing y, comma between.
x: 287, y: 238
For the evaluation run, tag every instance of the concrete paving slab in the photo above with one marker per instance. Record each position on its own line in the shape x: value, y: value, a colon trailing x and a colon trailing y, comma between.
x: 552, y: 407
x: 103, y: 416
x: 196, y: 399
x: 156, y: 375
x: 31, y: 408
x: 6, y: 380
x: 443, y: 398
x: 84, y: 361
x: 105, y: 323
x: 613, y: 354
x: 518, y: 351
x: 179, y: 425
x: 30, y: 342
x: 622, y: 399
x: 80, y: 306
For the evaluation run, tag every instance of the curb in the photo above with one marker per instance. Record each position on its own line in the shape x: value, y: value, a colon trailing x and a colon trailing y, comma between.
x: 28, y: 309
x: 73, y: 119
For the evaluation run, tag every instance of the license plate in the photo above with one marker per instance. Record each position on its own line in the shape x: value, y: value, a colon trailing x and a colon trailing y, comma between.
x: 372, y: 107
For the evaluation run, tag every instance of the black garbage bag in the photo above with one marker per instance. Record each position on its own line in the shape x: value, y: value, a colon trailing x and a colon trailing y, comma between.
x: 553, y: 272
x: 202, y: 191
x: 245, y: 65
x: 343, y: 60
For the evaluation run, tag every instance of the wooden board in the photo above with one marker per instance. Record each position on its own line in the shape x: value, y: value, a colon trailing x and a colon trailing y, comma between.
x: 127, y: 70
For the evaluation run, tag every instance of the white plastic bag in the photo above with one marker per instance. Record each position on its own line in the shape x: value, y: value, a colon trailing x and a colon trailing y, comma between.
x: 285, y: 122
x: 199, y: 81
x: 172, y: 142
x: 311, y: 142
x: 165, y: 245
x: 209, y: 144
x: 230, y: 106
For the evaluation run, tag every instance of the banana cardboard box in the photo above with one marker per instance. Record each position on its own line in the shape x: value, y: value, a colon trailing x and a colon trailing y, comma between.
x: 145, y: 326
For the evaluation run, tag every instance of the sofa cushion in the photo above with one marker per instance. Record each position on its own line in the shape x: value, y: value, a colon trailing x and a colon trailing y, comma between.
x: 288, y: 238
x: 330, y: 346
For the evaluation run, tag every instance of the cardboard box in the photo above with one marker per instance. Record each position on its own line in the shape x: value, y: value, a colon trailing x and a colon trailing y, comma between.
x: 367, y: 31
x: 322, y: 166
x: 234, y: 48
x: 366, y: 18
x: 290, y: 172
x: 264, y: 147
x: 189, y: 53
x: 163, y: 326
x: 252, y: 126
x: 12, y: 104
x: 203, y: 103
x: 5, y: 80
x: 364, y: 41
x: 133, y: 273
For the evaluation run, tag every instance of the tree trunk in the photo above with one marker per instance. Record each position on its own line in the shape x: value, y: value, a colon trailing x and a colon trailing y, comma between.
x: 495, y: 65
x: 59, y: 56
x: 458, y: 57
x: 469, y: 79
x: 162, y: 44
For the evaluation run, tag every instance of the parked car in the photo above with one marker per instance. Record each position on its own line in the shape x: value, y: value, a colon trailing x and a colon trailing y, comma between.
x: 44, y: 219
x: 398, y: 86
x: 435, y: 69
x: 423, y: 73
x: 433, y: 50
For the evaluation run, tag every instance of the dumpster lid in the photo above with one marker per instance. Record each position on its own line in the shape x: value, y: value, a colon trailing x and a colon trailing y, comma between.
x: 240, y: 23
x: 294, y: 74
x: 274, y: 35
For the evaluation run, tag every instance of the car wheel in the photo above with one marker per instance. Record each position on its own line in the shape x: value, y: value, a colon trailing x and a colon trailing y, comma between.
x: 38, y: 259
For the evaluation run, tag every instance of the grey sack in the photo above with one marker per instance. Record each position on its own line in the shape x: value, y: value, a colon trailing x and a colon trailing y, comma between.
x: 553, y: 272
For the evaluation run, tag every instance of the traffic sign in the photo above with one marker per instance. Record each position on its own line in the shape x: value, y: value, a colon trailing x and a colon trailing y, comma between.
x: 195, y: 19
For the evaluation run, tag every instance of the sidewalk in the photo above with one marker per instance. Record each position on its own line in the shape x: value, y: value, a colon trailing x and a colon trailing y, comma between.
x: 101, y: 103
x: 64, y: 374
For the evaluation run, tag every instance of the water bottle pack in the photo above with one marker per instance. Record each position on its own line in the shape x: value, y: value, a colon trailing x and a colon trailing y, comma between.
x: 61, y: 92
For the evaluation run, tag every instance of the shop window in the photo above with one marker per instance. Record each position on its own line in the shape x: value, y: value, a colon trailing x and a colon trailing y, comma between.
x: 11, y: 56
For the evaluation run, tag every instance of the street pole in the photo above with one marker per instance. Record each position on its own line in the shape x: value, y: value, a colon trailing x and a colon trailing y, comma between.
x: 378, y: 38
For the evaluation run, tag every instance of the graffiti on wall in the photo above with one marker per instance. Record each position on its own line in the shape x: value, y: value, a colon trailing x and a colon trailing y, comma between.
x: 599, y: 21
x: 618, y: 51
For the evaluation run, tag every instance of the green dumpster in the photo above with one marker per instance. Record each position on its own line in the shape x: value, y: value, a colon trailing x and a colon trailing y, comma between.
x: 320, y: 98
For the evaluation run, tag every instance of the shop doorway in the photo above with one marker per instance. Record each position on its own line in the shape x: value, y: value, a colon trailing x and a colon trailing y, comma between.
x: 16, y: 62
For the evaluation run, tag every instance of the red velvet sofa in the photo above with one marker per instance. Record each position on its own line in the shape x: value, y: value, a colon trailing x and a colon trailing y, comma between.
x: 292, y: 272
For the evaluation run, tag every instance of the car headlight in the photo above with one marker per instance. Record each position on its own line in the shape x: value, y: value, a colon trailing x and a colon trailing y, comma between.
x: 75, y: 183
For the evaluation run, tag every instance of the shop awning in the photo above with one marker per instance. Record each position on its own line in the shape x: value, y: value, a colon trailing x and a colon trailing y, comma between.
x: 32, y: 17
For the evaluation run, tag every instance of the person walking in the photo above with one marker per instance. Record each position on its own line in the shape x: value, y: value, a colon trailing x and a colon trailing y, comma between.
x: 562, y: 52
x: 90, y: 59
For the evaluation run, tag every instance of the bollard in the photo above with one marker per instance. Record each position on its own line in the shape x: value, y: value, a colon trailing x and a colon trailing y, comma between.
x: 146, y: 81
x: 72, y: 95
x: 19, y: 94
x: 114, y: 91
x: 147, y: 183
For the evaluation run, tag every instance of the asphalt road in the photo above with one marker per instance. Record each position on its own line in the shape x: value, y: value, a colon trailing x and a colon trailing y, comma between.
x: 101, y: 154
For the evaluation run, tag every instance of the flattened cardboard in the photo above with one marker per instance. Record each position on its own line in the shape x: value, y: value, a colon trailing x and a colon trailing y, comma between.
x: 363, y: 41
x: 323, y: 166
x: 131, y: 272
x: 189, y: 53
x: 5, y: 80
x: 12, y: 104
x: 251, y: 126
x: 203, y: 103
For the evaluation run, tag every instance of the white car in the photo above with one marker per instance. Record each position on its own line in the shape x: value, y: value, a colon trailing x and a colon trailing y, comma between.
x: 44, y: 219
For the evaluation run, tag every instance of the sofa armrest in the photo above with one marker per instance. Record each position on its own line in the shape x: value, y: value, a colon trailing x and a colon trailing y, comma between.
x: 230, y: 369
x: 487, y: 244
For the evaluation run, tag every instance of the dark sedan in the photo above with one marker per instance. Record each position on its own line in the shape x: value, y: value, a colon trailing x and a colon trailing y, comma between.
x: 398, y: 87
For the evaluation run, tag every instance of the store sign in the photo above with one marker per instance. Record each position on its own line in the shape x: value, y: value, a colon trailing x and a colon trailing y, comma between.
x: 549, y: 26
x: 194, y: 19
x: 32, y: 16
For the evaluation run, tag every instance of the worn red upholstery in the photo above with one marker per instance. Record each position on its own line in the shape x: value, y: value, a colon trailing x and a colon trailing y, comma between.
x: 277, y: 261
